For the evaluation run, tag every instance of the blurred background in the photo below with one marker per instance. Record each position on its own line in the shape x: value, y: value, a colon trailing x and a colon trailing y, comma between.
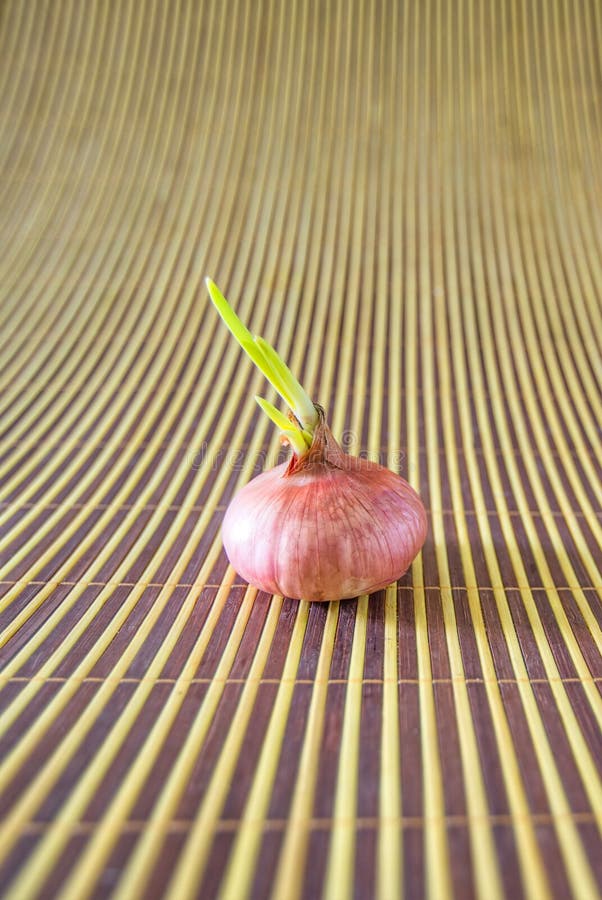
x: 404, y: 198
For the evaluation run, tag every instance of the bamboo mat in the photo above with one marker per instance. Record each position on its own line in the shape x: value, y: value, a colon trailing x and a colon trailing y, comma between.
x: 405, y: 199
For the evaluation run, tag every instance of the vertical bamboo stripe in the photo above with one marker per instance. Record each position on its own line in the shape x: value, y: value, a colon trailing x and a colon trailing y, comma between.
x: 437, y: 862
x: 292, y: 862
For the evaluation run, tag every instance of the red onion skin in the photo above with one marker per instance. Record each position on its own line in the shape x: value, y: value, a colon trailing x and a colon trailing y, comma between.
x: 325, y: 526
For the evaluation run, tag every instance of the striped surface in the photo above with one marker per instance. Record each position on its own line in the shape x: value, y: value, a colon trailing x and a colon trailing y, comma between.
x: 405, y: 199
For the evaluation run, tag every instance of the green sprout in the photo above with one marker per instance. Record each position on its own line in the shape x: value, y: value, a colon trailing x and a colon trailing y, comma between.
x: 299, y: 428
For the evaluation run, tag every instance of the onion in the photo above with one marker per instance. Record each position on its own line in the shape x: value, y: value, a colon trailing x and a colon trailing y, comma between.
x: 325, y: 525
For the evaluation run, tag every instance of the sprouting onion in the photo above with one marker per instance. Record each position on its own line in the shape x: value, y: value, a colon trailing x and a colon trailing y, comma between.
x: 324, y: 525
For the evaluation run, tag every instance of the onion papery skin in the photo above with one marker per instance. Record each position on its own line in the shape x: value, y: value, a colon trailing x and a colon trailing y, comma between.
x: 326, y: 526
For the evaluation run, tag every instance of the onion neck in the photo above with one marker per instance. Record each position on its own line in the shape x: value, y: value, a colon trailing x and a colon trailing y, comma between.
x: 324, y: 449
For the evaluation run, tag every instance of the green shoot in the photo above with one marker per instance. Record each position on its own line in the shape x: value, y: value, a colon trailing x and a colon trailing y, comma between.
x: 277, y: 417
x: 263, y: 364
x: 303, y: 406
x: 275, y: 370
x: 292, y: 432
